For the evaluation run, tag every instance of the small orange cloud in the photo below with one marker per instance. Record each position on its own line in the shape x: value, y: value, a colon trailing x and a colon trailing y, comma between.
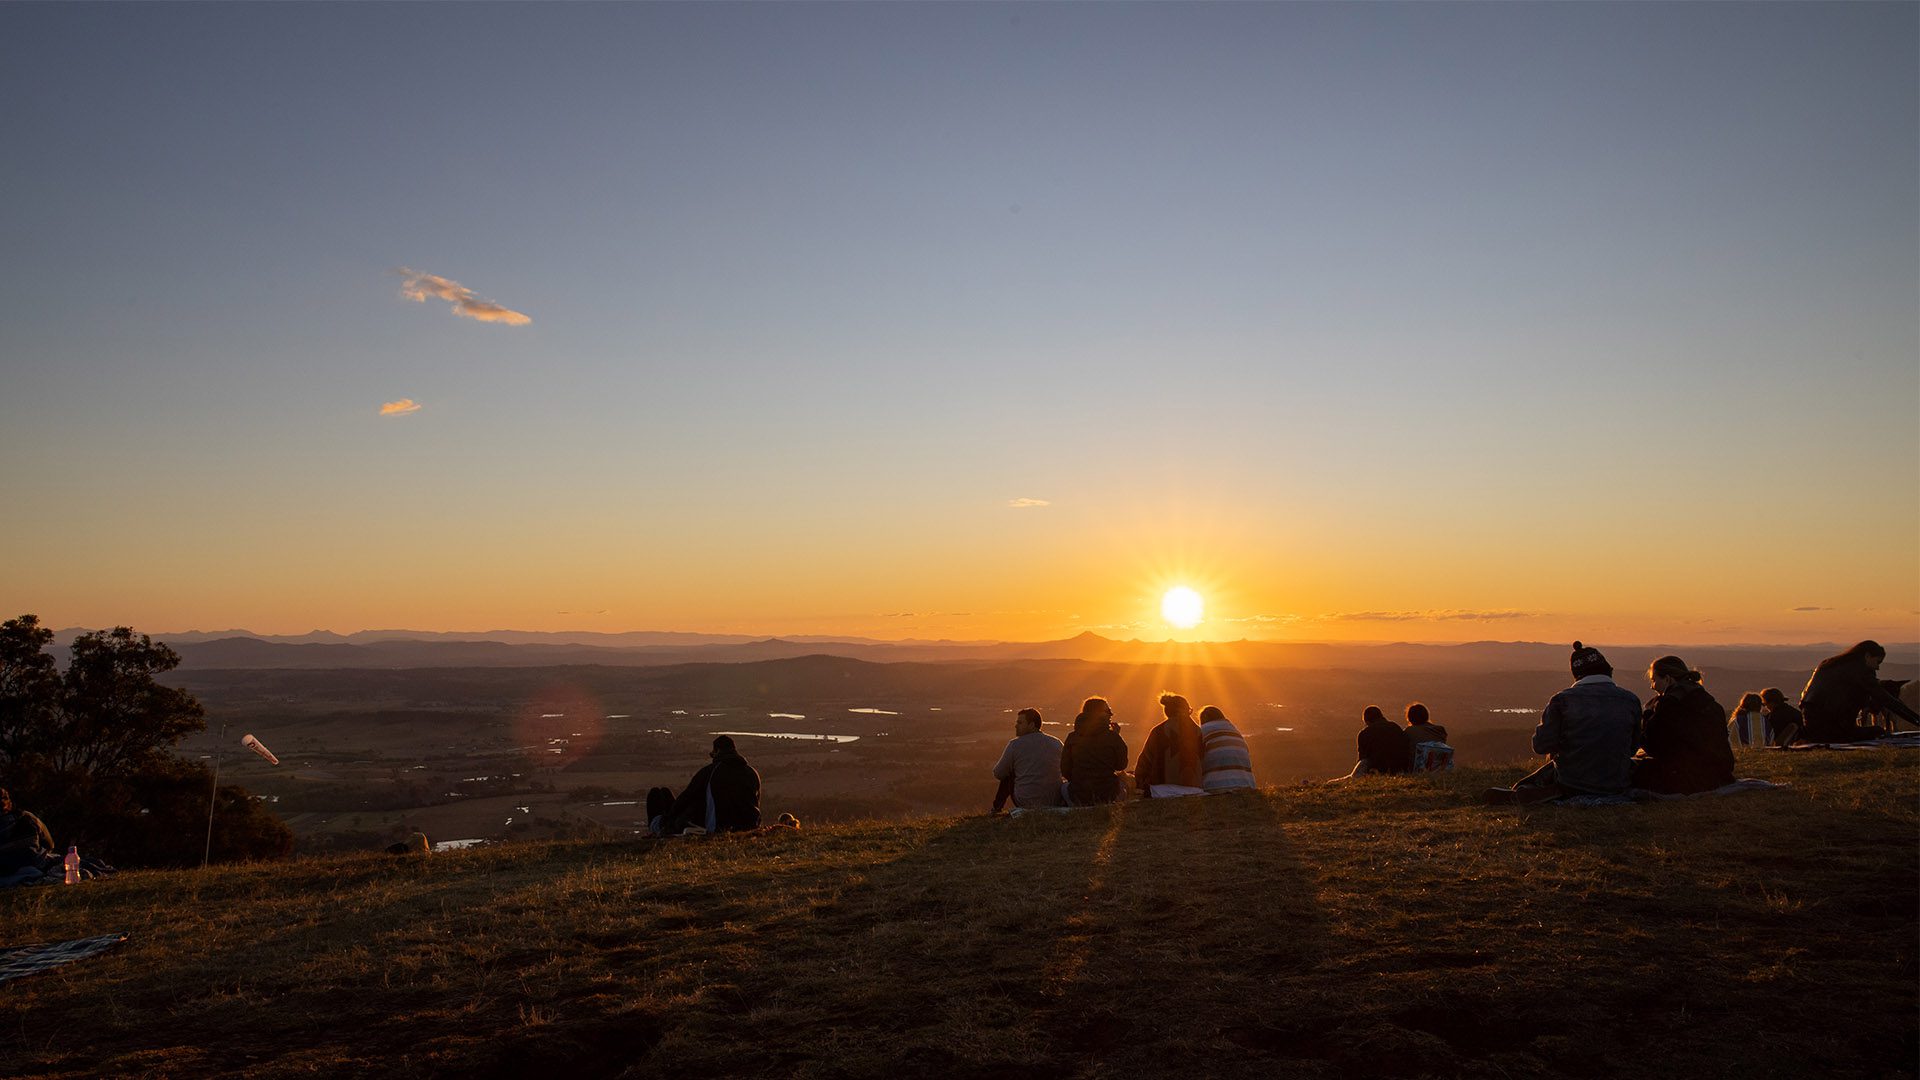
x: 400, y: 408
x: 417, y: 286
x: 1027, y: 504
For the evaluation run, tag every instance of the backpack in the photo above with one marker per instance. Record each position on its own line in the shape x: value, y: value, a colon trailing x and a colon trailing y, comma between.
x: 1432, y: 757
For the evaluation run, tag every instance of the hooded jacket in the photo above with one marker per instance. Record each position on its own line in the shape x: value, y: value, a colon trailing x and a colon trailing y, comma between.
x: 1094, y: 753
x: 735, y: 788
x: 1685, y: 737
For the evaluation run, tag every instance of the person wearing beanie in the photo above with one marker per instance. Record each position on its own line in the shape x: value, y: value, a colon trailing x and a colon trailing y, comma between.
x: 1588, y: 732
x: 1684, y: 745
x: 722, y: 797
x: 1783, y: 720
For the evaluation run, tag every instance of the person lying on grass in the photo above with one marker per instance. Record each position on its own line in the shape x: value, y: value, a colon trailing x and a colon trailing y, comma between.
x: 1588, y: 732
x: 722, y: 797
x: 1029, y: 768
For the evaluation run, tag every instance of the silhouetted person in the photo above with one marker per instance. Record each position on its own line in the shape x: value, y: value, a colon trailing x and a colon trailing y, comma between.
x: 1029, y: 768
x: 1171, y: 759
x: 25, y: 842
x: 1382, y: 746
x: 1225, y: 764
x: 1783, y: 720
x: 1588, y: 733
x: 1420, y: 725
x: 1841, y: 687
x: 1748, y: 727
x: 1683, y: 738
x: 1431, y: 751
x: 722, y: 797
x: 1094, y: 755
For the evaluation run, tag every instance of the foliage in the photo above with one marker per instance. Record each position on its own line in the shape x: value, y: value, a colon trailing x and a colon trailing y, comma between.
x: 88, y: 750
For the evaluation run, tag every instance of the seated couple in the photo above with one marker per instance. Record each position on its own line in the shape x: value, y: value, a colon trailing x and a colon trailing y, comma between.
x: 1599, y: 741
x: 722, y: 797
x: 1181, y: 757
x: 1386, y: 748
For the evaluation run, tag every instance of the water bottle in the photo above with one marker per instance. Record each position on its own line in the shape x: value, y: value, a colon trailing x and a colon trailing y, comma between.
x: 73, y: 864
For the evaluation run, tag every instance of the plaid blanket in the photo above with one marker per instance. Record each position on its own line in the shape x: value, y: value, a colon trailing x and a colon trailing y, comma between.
x: 1635, y: 795
x: 32, y: 959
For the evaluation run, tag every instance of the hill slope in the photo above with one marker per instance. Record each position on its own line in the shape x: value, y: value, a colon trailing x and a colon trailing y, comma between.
x: 1391, y: 928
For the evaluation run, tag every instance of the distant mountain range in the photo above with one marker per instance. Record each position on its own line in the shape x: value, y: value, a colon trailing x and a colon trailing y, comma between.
x: 389, y: 649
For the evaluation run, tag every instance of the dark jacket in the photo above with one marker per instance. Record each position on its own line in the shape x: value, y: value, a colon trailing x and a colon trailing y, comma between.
x: 1090, y: 761
x: 1171, y: 756
x: 1783, y: 723
x: 736, y: 797
x: 1385, y: 748
x: 1840, y: 687
x: 1589, y: 729
x: 1684, y: 734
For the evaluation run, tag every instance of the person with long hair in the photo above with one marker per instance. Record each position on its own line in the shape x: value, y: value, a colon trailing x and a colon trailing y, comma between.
x: 1840, y: 687
x: 1683, y: 741
x: 1095, y: 755
x: 1171, y: 759
x: 1748, y: 726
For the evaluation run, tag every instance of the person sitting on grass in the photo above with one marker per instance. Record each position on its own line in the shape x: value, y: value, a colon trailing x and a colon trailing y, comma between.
x: 1748, y: 724
x: 1683, y: 740
x: 1783, y: 720
x: 1169, y: 764
x: 1431, y: 752
x: 722, y: 797
x: 1029, y: 768
x: 25, y: 842
x: 1225, y: 764
x: 1383, y: 747
x: 1840, y: 689
x: 1587, y: 731
x: 1094, y: 755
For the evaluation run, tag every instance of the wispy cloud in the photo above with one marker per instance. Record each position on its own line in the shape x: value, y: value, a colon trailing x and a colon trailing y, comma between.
x: 1267, y: 619
x: 417, y: 286
x: 1812, y: 607
x: 1434, y: 615
x: 1027, y: 504
x: 400, y: 408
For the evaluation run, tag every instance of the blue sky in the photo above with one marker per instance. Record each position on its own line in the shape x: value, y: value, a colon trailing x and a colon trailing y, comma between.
x: 842, y: 280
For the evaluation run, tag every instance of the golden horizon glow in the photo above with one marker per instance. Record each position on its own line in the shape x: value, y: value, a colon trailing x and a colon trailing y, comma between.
x: 1182, y: 608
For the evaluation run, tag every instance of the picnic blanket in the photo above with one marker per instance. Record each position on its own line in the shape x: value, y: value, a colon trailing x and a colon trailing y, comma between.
x: 1635, y: 795
x: 33, y: 959
x: 1902, y: 741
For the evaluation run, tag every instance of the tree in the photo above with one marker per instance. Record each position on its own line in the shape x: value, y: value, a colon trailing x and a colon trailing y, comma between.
x: 89, y: 749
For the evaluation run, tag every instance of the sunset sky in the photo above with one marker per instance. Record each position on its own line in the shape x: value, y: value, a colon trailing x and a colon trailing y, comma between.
x: 1394, y: 322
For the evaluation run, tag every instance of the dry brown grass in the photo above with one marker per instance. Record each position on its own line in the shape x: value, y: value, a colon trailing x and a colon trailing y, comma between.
x: 1388, y: 928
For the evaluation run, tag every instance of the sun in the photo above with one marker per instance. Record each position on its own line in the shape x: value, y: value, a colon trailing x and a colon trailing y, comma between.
x: 1182, y: 607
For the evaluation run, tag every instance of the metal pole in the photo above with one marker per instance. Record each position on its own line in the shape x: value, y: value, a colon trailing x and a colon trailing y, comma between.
x: 214, y: 795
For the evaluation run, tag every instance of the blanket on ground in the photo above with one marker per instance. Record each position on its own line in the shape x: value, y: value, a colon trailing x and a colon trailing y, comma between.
x: 1904, y: 740
x: 1634, y: 795
x: 32, y: 959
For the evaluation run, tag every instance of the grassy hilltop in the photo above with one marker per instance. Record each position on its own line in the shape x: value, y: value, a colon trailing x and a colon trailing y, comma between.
x: 1392, y: 928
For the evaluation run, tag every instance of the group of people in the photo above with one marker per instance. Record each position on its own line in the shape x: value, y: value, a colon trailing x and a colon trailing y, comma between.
x: 1182, y: 756
x: 1387, y: 748
x: 1600, y: 740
